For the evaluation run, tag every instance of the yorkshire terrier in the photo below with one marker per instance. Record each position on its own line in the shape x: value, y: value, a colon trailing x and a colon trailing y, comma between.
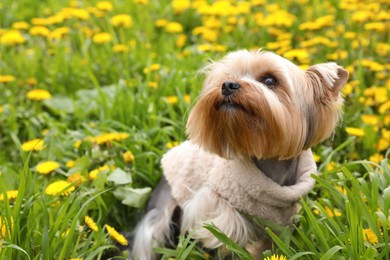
x: 248, y: 153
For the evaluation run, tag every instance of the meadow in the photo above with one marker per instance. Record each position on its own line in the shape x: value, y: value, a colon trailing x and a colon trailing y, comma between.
x: 94, y: 92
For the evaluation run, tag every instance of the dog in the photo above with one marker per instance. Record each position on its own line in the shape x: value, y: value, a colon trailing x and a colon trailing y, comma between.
x: 248, y: 153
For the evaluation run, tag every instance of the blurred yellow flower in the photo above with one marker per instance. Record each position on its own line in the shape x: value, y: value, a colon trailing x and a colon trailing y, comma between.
x: 70, y: 164
x: 12, y: 37
x: 92, y: 175
x: 170, y: 145
x: 376, y: 158
x: 160, y: 23
x: 128, y: 157
x: 6, y: 78
x: 319, y: 23
x: 38, y: 94
x: 20, y: 26
x: 79, y: 13
x: 370, y: 119
x: 11, y: 195
x: 361, y: 16
x: 6, y: 227
x: 174, y: 27
x: 370, y: 236
x: 101, y: 38
x: 379, y: 27
x: 116, y: 236
x: 31, y: 82
x: 39, y: 21
x: 91, y: 223
x: 59, y: 186
x: 300, y: 54
x: 181, y: 41
x: 76, y: 178
x: 171, y: 99
x: 47, y: 167
x: 39, y: 31
x: 58, y: 33
x: 108, y: 138
x: 122, y: 20
x: 33, y: 145
x: 153, y: 84
x: 355, y: 131
x: 104, y: 6
x: 180, y: 6
x: 279, y: 18
x: 120, y: 48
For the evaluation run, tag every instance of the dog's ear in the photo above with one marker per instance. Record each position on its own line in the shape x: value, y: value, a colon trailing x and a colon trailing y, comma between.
x: 329, y: 75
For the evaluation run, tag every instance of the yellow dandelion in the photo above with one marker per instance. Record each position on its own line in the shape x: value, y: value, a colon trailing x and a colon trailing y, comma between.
x: 79, y: 13
x: 47, y: 167
x: 59, y: 186
x: 174, y: 27
x: 333, y: 213
x: 120, y: 48
x: 39, y: 31
x: 11, y: 195
x: 370, y: 119
x: 171, y: 99
x: 76, y: 178
x: 355, y: 131
x: 104, y: 6
x: 101, y: 38
x: 180, y: 6
x: 376, y: 158
x: 160, y: 23
x: 370, y: 236
x: 33, y: 145
x: 153, y: 84
x: 12, y: 37
x: 300, y: 54
x: 6, y: 227
x: 91, y: 223
x: 20, y: 26
x: 187, y: 99
x: 122, y: 20
x: 6, y: 78
x: 116, y: 236
x: 128, y: 156
x: 170, y: 145
x: 276, y: 257
x: 70, y: 164
x: 92, y: 175
x: 38, y: 94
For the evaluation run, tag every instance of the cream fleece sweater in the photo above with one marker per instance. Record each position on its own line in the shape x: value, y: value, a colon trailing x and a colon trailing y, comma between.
x: 188, y: 168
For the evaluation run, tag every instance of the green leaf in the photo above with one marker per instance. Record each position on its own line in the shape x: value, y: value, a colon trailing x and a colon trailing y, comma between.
x: 230, y: 244
x: 60, y: 105
x: 132, y: 197
x: 120, y: 177
x: 329, y: 254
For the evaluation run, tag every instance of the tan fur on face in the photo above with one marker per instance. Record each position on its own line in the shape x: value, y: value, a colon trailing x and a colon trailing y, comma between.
x: 278, y: 122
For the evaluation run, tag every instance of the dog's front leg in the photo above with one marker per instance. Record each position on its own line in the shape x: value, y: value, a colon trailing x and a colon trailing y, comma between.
x: 158, y: 226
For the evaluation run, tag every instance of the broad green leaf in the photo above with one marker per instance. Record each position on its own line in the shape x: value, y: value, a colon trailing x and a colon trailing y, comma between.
x: 132, y: 197
x: 120, y: 177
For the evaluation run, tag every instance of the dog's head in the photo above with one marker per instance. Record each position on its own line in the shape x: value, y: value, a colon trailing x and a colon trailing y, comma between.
x: 258, y: 104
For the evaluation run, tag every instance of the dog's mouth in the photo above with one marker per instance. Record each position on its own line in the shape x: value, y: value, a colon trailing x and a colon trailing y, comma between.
x: 228, y: 104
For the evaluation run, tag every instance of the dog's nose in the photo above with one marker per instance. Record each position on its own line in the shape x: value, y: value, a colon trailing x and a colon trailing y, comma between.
x: 229, y: 87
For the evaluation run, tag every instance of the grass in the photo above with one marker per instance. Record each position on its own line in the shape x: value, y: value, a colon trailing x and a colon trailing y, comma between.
x: 107, y: 106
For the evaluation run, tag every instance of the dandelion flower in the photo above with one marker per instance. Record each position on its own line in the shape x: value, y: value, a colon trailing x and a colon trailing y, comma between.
x: 104, y: 6
x: 122, y: 20
x: 6, y: 227
x: 174, y: 27
x: 180, y: 6
x: 90, y: 223
x: 59, y: 186
x: 354, y: 131
x: 38, y: 94
x: 47, y: 167
x: 6, y: 78
x: 33, y: 145
x: 370, y: 236
x: 171, y: 99
x: 20, y: 26
x: 76, y: 178
x: 11, y: 195
x: 101, y: 38
x: 276, y: 257
x: 160, y: 23
x: 120, y: 48
x: 92, y: 175
x: 12, y: 37
x: 39, y: 31
x: 128, y: 157
x: 116, y: 236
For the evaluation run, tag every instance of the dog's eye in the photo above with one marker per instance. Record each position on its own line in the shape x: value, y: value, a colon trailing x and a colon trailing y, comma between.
x: 269, y: 80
